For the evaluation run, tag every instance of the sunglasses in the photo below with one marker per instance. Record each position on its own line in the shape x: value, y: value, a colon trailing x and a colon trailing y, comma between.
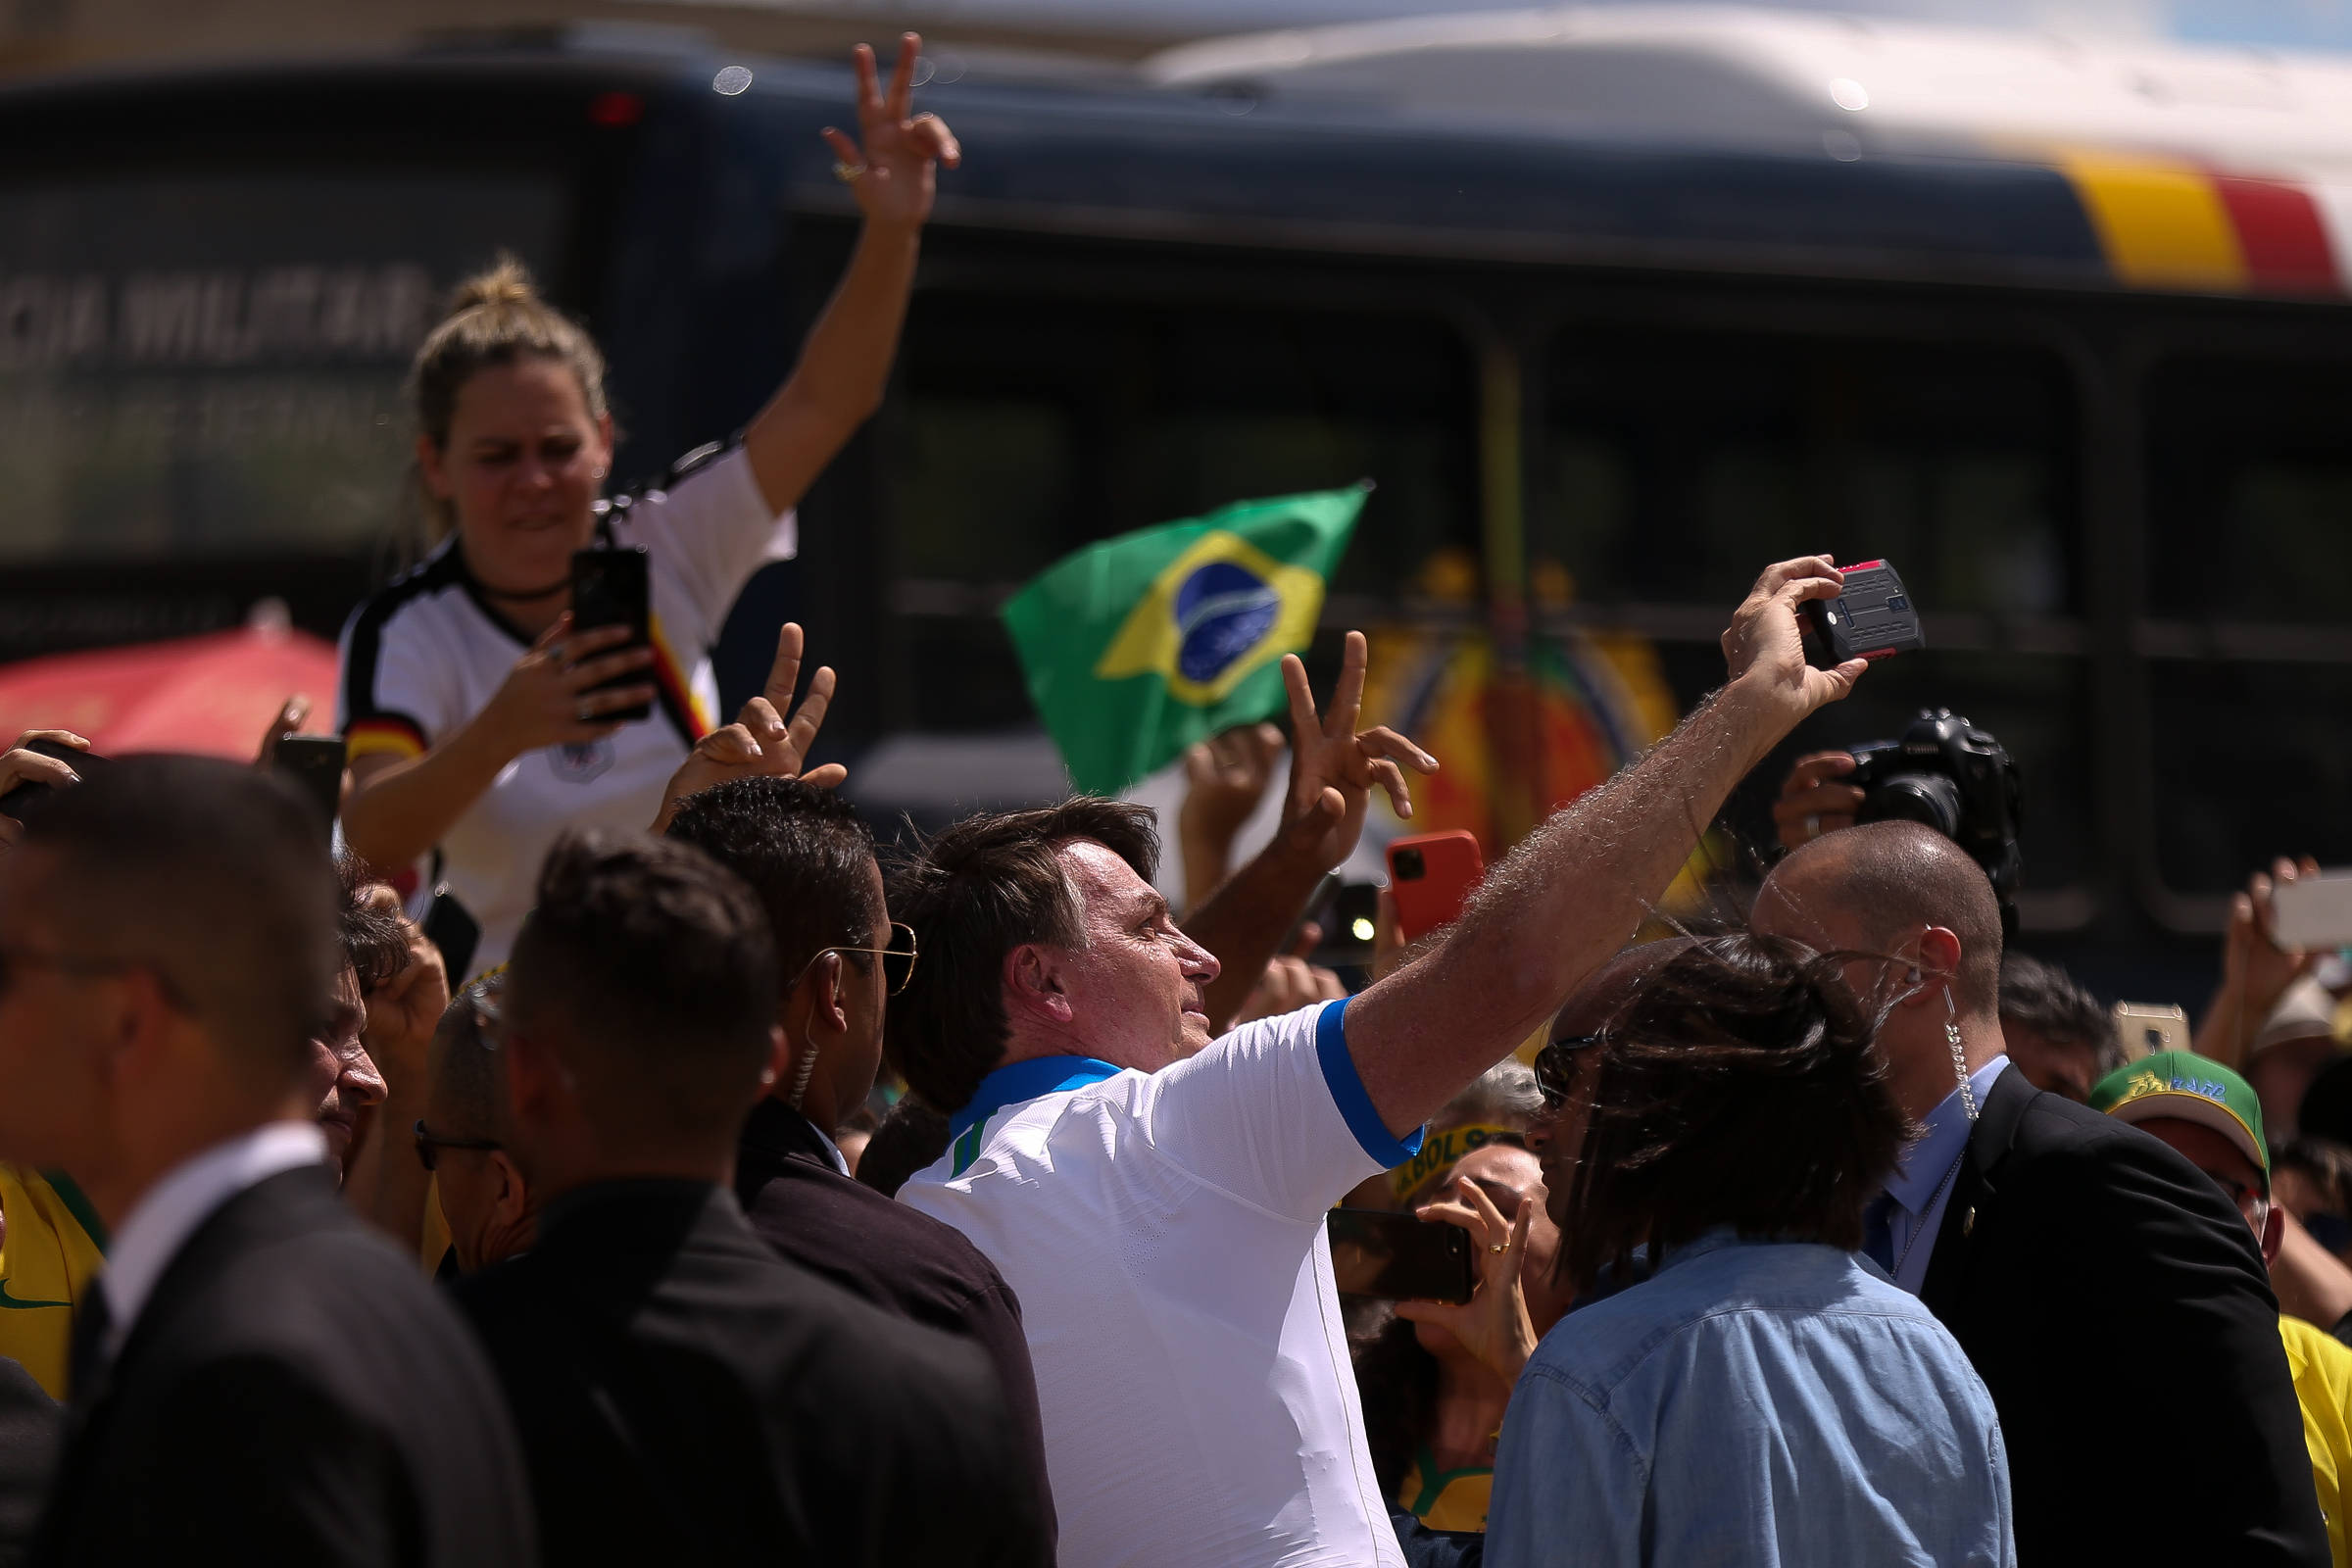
x: 898, y: 960
x: 428, y: 1143
x: 1555, y: 1067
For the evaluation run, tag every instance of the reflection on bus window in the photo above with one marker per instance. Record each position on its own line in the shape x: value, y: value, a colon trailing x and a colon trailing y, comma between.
x: 1028, y: 426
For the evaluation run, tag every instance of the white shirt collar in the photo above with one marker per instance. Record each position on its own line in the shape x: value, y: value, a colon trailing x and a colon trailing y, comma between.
x: 168, y: 1212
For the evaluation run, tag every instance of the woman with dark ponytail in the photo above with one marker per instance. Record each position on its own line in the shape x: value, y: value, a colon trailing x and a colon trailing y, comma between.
x: 472, y: 710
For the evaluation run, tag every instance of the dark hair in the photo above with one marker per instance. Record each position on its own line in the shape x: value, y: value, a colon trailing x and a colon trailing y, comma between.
x: 2325, y: 1162
x: 375, y: 941
x: 910, y: 1137
x: 802, y: 851
x: 984, y: 887
x: 659, y: 971
x: 1894, y: 879
x: 2041, y: 995
x: 463, y: 1067
x: 495, y: 318
x: 1396, y: 1383
x: 212, y: 874
x: 1736, y: 1085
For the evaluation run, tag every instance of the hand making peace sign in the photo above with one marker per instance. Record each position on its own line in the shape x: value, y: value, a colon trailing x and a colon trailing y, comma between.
x: 1333, y: 766
x: 893, y: 174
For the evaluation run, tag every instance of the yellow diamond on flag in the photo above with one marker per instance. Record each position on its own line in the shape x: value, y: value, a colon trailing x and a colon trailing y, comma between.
x: 1219, y: 612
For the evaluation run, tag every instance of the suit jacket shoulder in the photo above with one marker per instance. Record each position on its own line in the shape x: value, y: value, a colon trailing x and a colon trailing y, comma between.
x: 285, y: 1340
x: 2114, y: 1302
x: 682, y: 1391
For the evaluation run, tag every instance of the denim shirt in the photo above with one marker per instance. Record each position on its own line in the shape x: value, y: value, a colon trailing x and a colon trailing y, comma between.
x: 1769, y: 1403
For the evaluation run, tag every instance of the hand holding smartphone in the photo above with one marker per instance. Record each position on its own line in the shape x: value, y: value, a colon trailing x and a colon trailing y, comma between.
x: 1399, y: 1258
x: 610, y: 588
x: 2312, y: 913
x: 1872, y: 618
x: 314, y: 762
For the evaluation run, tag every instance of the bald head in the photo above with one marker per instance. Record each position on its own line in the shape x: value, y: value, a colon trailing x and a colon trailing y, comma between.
x: 1876, y: 887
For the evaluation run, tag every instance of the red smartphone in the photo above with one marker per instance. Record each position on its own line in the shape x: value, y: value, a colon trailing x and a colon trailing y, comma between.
x: 1431, y: 876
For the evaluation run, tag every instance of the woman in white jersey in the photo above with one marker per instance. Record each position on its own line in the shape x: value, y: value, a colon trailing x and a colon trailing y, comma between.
x: 466, y: 697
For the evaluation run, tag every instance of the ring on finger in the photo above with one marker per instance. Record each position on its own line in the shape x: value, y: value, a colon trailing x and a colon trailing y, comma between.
x: 1505, y: 1248
x: 1812, y: 824
x: 583, y: 711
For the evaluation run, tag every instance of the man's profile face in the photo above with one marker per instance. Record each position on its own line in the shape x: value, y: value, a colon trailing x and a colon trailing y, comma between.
x: 2061, y: 1067
x: 866, y: 994
x: 1135, y: 987
x: 48, y: 1091
x: 340, y: 1077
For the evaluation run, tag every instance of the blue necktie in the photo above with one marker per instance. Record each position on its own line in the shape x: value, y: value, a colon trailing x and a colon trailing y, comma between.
x: 1878, y: 1231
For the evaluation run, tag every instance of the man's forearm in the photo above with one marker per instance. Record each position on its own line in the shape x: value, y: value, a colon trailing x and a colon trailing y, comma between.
x: 1244, y: 920
x: 1552, y: 910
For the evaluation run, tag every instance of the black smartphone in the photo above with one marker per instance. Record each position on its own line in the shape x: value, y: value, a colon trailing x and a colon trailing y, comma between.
x: 450, y: 926
x: 1872, y: 618
x: 1397, y: 1258
x: 316, y: 764
x: 28, y: 795
x: 610, y: 588
x: 1349, y: 925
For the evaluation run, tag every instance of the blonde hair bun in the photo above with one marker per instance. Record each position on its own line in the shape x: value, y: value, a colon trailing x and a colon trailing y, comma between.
x: 506, y: 285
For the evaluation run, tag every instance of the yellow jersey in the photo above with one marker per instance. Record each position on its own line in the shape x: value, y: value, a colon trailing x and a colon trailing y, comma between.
x: 54, y: 1247
x: 2323, y: 1371
x: 1450, y: 1499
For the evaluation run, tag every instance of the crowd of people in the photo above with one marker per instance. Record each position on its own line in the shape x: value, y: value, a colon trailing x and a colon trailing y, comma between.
x: 1831, y: 1232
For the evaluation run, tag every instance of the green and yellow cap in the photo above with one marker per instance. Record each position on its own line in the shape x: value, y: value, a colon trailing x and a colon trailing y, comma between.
x: 2193, y: 1088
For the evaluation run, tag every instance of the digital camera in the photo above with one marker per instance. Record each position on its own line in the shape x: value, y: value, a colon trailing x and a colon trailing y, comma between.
x: 1954, y: 778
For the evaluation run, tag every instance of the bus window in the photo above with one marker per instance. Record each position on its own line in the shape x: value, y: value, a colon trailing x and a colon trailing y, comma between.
x: 207, y: 365
x: 1029, y: 426
x: 1677, y: 463
x: 2249, y: 485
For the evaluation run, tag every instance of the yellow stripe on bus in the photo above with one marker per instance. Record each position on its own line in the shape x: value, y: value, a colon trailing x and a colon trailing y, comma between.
x: 2161, y: 224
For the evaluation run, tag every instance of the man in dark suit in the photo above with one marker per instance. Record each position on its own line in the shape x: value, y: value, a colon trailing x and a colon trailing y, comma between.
x: 808, y: 857
x: 2034, y: 1227
x: 257, y: 1375
x: 684, y: 1394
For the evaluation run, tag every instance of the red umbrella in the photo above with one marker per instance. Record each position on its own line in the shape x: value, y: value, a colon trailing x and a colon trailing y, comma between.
x: 213, y: 694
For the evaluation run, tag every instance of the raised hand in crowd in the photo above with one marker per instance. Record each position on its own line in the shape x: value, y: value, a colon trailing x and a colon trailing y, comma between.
x: 1334, y: 768
x: 1813, y: 801
x: 891, y: 165
x: 1225, y: 777
x: 2256, y: 972
x: 545, y: 698
x: 292, y: 713
x: 763, y: 743
x: 1290, y: 981
x: 20, y: 764
x: 385, y: 1182
x: 1495, y: 1324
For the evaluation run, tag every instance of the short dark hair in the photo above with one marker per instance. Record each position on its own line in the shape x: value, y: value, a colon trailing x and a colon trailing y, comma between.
x: 802, y: 851
x: 375, y: 942
x: 909, y: 1137
x: 212, y: 873
x: 1896, y: 878
x: 658, y: 970
x: 986, y: 886
x: 464, y: 1067
x: 2039, y: 996
x: 1736, y: 1085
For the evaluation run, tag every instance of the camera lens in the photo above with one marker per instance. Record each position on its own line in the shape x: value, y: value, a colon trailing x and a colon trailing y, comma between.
x: 1409, y: 867
x: 1926, y: 797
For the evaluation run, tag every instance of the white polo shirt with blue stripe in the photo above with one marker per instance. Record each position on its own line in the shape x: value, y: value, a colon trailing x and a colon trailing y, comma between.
x: 1164, y: 1234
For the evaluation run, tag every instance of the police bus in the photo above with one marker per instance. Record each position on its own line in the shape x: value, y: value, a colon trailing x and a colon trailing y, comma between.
x: 1611, y: 306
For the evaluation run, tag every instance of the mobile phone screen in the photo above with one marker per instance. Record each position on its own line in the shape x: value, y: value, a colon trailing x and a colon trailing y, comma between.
x: 315, y: 762
x: 1376, y: 1252
x: 610, y: 588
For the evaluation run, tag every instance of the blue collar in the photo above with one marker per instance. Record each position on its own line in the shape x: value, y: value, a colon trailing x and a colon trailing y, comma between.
x: 1945, y: 1133
x: 1017, y: 1081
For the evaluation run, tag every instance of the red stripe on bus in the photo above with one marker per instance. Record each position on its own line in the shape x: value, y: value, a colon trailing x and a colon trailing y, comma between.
x: 2279, y: 229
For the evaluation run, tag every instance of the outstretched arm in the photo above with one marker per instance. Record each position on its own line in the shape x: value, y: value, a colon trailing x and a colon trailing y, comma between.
x: 1563, y: 902
x: 845, y: 361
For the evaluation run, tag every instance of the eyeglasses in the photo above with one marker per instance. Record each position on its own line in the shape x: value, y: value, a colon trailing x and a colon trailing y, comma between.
x: 428, y: 1142
x: 898, y: 960
x: 1555, y: 1067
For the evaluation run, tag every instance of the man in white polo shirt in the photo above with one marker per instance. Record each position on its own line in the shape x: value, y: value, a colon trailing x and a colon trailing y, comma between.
x: 1157, y: 1200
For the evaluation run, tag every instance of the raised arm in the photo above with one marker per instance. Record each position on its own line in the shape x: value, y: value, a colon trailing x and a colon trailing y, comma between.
x: 845, y: 361
x: 1333, y: 770
x: 1569, y: 896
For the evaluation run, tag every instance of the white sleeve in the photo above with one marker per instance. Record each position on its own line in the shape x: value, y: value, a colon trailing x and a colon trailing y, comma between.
x: 712, y: 525
x: 1275, y: 1114
x: 398, y: 693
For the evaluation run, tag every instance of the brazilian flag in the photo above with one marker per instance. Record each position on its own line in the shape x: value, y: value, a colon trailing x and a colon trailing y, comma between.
x: 1139, y: 646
